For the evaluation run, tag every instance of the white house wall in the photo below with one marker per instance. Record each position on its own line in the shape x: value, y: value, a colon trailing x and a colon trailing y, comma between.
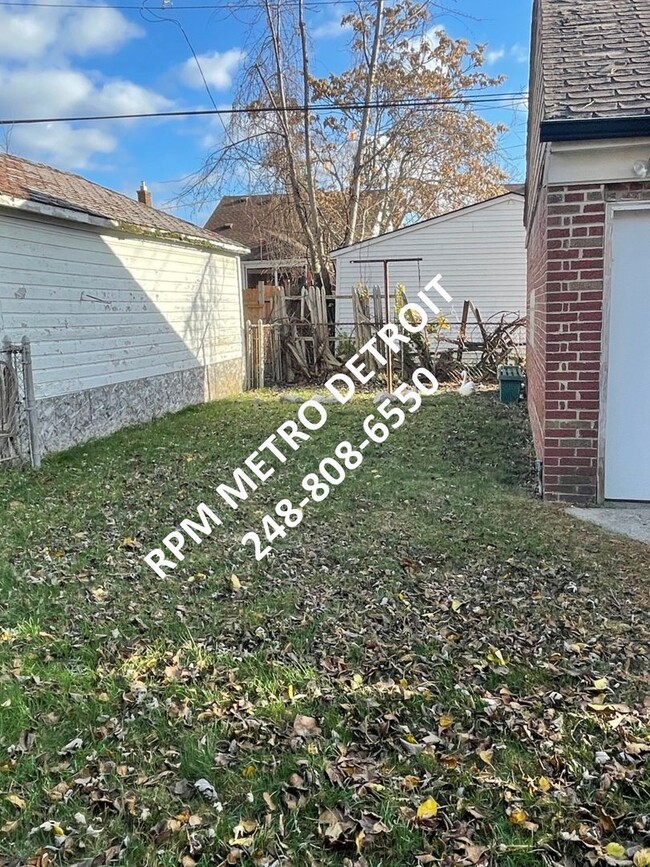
x: 123, y: 328
x: 480, y: 254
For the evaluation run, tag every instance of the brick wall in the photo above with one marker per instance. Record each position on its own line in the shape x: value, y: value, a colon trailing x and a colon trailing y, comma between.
x: 536, y: 337
x: 565, y: 282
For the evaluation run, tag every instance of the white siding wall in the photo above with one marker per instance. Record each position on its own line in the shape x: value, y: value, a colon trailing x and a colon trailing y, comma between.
x: 481, y: 254
x: 102, y: 309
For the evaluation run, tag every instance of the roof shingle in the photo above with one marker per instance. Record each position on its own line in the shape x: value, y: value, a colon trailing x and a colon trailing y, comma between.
x: 269, y: 224
x: 595, y: 58
x: 35, y: 182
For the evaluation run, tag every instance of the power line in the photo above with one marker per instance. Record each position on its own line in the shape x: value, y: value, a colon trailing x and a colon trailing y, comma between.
x: 495, y: 101
x: 160, y: 19
x: 163, y: 8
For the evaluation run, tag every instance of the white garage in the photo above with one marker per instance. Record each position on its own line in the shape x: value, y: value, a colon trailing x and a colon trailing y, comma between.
x: 480, y: 251
x: 131, y: 313
x: 626, y: 395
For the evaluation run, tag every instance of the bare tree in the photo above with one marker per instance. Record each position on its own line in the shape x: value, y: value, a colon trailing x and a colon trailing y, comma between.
x: 402, y: 140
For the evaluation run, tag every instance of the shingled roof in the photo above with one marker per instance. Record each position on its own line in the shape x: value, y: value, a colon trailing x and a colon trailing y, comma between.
x: 269, y: 226
x: 23, y: 180
x: 595, y: 58
x: 266, y: 224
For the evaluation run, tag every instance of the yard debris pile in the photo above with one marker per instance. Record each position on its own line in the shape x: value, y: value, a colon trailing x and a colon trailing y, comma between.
x: 439, y: 670
x: 300, y: 344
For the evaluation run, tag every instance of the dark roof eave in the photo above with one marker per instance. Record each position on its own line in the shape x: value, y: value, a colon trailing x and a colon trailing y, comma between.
x: 594, y: 128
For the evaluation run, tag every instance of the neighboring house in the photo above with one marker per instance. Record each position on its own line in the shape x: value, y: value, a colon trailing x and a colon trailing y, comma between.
x: 479, y: 250
x: 588, y: 219
x: 268, y: 225
x: 269, y: 228
x: 131, y: 313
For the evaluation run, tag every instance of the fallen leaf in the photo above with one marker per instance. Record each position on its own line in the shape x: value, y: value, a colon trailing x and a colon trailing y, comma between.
x: 427, y: 809
x: 615, y: 850
x: 641, y: 858
x: 517, y: 816
x: 17, y: 801
x: 235, y: 583
x: 486, y: 756
x: 496, y: 657
x: 71, y: 747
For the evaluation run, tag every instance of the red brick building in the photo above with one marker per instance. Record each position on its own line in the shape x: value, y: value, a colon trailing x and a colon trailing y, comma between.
x: 588, y: 224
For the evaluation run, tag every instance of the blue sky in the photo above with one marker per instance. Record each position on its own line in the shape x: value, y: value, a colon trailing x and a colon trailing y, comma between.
x: 60, y: 61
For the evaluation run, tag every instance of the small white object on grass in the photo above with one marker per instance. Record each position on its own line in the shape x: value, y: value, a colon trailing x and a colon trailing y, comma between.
x: 466, y: 387
x: 208, y: 791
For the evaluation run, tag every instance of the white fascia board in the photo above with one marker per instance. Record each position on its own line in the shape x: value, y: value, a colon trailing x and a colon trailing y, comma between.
x: 599, y: 162
x: 56, y: 212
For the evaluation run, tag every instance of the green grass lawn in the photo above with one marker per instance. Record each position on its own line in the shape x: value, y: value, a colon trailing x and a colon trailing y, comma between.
x: 432, y: 668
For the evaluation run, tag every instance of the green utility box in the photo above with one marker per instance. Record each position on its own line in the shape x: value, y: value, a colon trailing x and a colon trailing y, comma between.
x: 511, y: 378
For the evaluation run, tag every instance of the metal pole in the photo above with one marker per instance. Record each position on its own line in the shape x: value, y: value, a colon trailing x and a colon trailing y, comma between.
x: 385, y: 262
x: 389, y: 366
x: 30, y: 403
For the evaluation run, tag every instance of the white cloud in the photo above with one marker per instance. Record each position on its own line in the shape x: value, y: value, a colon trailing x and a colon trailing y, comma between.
x: 64, y: 92
x: 67, y: 93
x: 328, y: 29
x: 91, y: 31
x: 61, y: 144
x: 432, y: 38
x: 520, y: 53
x: 432, y: 35
x: 27, y: 34
x: 218, y: 68
x: 38, y: 79
x: 492, y: 57
x: 331, y: 26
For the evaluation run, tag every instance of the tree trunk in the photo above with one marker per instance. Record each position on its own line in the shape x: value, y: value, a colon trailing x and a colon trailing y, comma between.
x: 355, y: 183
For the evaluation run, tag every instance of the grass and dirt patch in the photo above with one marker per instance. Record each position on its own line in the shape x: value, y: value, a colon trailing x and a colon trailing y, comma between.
x: 433, y: 668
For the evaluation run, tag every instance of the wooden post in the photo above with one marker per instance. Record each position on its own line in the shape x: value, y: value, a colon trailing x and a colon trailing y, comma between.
x: 261, y: 355
x: 249, y: 357
x: 463, y: 331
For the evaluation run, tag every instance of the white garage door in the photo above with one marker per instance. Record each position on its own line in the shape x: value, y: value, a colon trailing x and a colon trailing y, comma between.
x: 627, y: 429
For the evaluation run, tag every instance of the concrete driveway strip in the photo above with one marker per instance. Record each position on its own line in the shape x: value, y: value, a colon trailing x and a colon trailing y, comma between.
x: 633, y: 521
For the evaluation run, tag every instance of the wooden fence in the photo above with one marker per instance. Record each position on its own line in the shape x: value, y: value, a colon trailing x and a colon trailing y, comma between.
x: 298, y: 340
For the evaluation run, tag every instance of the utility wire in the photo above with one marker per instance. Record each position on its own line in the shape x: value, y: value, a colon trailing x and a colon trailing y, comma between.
x: 154, y: 18
x: 171, y: 8
x: 498, y: 100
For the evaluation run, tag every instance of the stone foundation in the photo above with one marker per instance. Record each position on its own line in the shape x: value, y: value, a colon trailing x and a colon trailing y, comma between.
x: 72, y: 419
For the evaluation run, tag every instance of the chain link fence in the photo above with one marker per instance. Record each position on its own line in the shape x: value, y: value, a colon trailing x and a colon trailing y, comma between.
x: 18, y: 423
